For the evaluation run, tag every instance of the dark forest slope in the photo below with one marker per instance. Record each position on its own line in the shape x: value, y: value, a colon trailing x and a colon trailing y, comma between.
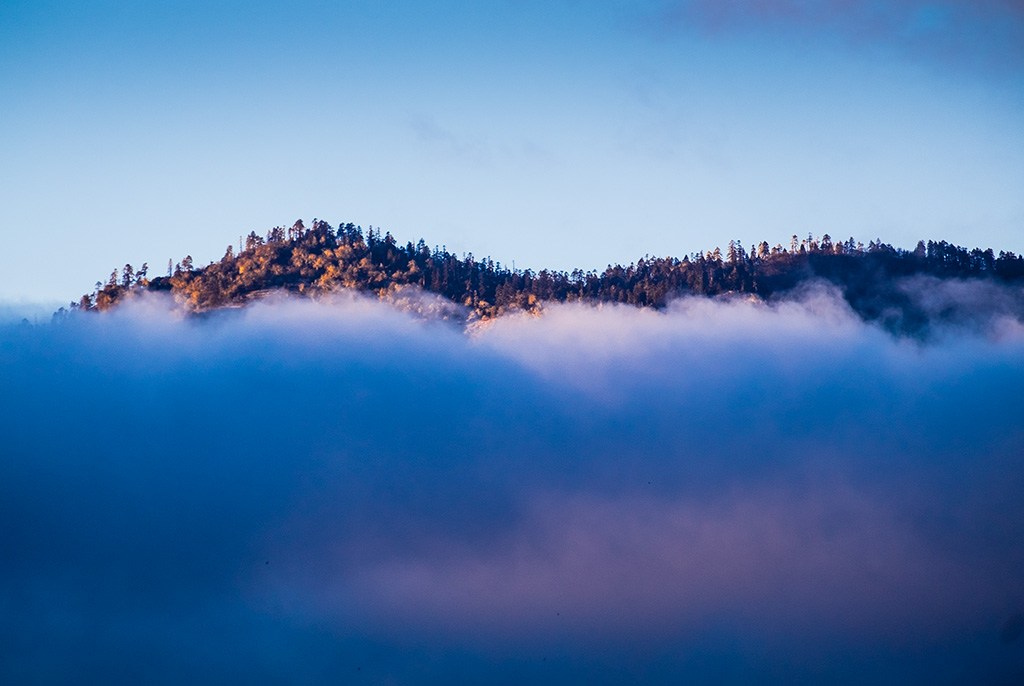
x: 872, y: 278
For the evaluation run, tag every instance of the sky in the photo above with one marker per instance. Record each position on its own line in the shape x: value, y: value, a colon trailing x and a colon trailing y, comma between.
x: 346, y: 491
x: 554, y: 134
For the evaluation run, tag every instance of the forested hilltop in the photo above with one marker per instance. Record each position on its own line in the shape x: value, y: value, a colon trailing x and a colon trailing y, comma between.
x: 321, y: 258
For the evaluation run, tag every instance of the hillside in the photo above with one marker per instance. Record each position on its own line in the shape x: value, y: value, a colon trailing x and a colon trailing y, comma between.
x: 877, y: 280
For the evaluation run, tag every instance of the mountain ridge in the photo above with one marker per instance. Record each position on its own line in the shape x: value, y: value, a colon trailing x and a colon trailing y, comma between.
x: 872, y: 279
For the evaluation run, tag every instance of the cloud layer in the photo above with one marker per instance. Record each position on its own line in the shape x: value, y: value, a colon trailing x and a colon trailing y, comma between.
x: 325, y: 491
x: 987, y: 33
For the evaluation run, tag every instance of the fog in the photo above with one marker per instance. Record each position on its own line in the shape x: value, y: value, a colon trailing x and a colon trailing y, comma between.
x: 344, y: 490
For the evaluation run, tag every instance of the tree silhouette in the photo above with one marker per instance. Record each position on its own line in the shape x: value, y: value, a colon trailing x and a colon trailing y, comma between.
x: 320, y: 259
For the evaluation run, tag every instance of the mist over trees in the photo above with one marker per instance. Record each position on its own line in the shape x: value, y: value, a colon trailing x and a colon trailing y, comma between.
x: 737, y: 478
x: 320, y: 258
x: 330, y: 490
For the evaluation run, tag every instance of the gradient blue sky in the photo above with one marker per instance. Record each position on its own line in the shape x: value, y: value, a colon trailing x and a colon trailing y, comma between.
x: 555, y: 134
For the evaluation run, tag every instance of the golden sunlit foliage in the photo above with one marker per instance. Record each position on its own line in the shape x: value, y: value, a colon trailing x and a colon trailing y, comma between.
x: 321, y: 258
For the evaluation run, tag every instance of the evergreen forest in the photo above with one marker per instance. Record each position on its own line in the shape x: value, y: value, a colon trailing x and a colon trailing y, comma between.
x: 320, y: 258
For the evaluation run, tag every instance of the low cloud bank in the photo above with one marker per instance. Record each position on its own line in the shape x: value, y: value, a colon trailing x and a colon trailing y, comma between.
x: 338, y: 490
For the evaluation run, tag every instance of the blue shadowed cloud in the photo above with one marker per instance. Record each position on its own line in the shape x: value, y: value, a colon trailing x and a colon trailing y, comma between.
x: 315, y: 491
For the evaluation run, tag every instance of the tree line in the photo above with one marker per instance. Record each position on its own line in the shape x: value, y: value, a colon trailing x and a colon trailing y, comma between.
x: 321, y: 258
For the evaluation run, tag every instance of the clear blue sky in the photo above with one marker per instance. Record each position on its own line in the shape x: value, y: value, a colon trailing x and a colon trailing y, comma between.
x: 557, y: 134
